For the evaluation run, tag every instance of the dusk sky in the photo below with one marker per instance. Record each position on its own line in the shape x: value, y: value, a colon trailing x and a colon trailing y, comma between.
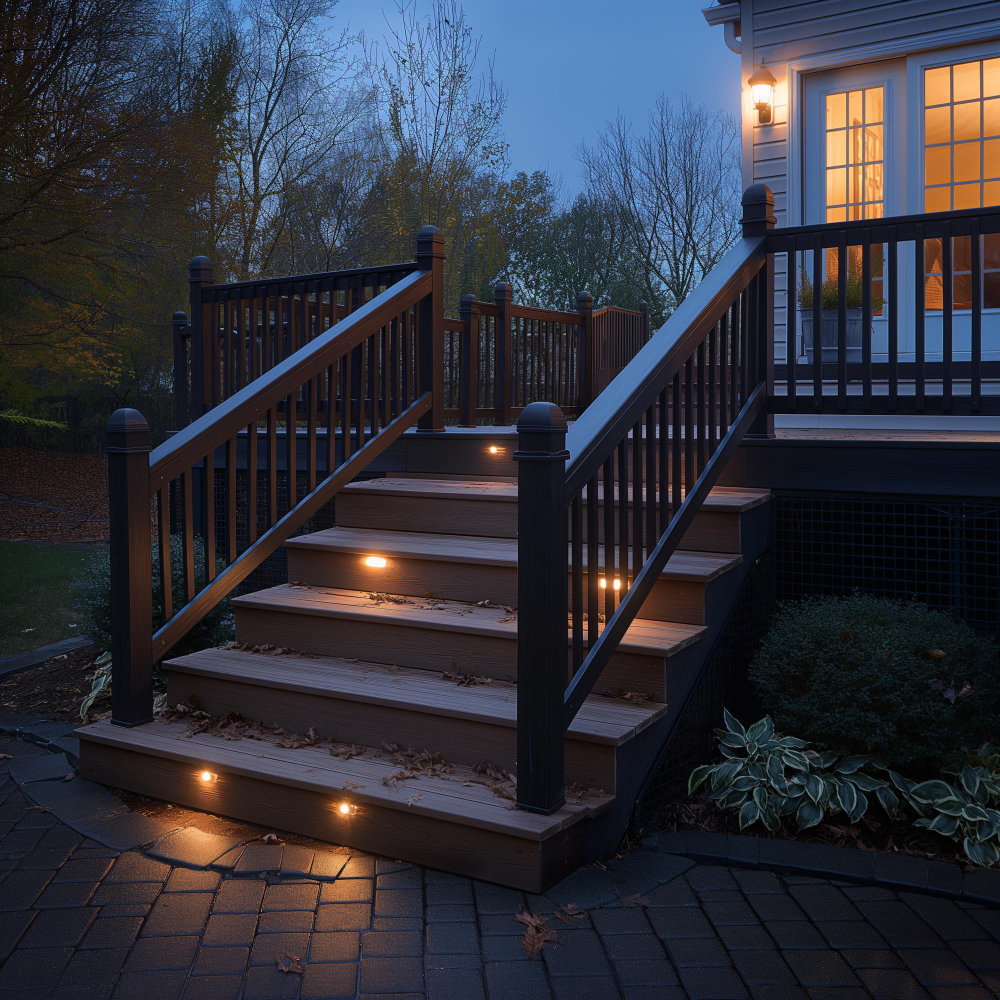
x: 570, y: 65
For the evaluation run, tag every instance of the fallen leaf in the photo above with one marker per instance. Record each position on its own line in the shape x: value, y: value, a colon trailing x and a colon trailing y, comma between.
x: 70, y: 776
x: 570, y: 912
x: 41, y: 809
x: 412, y: 799
x: 291, y: 963
x: 536, y: 935
x: 936, y: 654
x: 6, y: 756
x: 271, y: 838
x: 636, y: 900
x: 352, y: 784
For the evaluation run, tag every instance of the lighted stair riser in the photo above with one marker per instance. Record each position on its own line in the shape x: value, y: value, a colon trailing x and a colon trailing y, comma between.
x: 458, y: 740
x: 523, y: 863
x: 670, y: 600
x: 427, y: 648
x: 710, y: 531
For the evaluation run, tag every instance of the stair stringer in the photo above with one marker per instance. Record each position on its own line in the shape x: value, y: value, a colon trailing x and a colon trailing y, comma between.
x: 639, y: 758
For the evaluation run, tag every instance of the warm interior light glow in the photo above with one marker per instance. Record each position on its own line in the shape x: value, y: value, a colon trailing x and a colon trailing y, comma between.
x: 376, y: 562
x: 762, y: 92
x: 615, y: 585
x: 604, y: 584
x: 207, y: 776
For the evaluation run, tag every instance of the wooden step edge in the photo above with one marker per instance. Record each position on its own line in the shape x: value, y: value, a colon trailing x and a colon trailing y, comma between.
x: 730, y: 499
x: 500, y: 552
x: 241, y: 667
x: 278, y: 599
x: 312, y: 771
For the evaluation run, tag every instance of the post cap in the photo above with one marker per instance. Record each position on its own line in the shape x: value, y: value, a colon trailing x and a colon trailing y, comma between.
x: 502, y: 290
x: 541, y: 417
x: 758, y: 210
x: 430, y: 242
x: 127, y: 431
x: 180, y: 317
x: 584, y: 300
x: 200, y: 269
x: 541, y: 434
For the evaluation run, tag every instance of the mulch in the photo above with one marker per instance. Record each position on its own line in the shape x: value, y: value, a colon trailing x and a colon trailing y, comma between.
x: 876, y: 833
x: 53, y: 496
x: 53, y: 690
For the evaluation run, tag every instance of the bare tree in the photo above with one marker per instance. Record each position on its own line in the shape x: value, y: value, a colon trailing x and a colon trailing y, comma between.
x: 297, y: 98
x: 674, y: 190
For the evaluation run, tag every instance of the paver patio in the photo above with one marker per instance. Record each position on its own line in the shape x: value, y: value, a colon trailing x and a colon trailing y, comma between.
x: 82, y: 921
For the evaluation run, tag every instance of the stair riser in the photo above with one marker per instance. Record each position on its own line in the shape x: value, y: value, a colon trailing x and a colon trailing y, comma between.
x: 711, y: 531
x: 671, y: 600
x: 397, y: 643
x: 396, y: 833
x: 458, y: 740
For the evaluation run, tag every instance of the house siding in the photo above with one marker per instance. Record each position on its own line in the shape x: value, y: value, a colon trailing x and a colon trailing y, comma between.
x: 830, y: 34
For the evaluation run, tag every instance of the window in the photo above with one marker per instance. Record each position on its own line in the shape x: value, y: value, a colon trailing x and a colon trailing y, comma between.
x: 961, y: 270
x: 962, y: 135
x: 855, y: 156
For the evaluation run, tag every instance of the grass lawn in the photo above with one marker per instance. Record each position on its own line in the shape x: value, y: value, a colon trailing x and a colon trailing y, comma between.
x: 35, y: 585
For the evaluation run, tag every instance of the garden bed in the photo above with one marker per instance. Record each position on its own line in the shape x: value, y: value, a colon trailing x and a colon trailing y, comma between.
x: 54, y: 689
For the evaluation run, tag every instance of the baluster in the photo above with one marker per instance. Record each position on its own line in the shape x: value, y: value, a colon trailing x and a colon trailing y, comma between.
x: 469, y: 384
x: 891, y: 281
x: 676, y: 475
x: 689, y: 476
x: 587, y: 364
x: 948, y: 282
x: 713, y: 353
x: 818, y: 324
x: 791, y: 315
x: 346, y: 395
x: 387, y: 359
x: 251, y: 482
x: 638, y: 480
x: 976, y: 386
x: 291, y: 449
x: 664, y: 475
x: 918, y: 331
x: 311, y: 393
x: 430, y: 257
x: 230, y: 501
x: 724, y: 372
x: 163, y: 539
x: 593, y: 557
x: 576, y: 515
x: 702, y: 417
x: 331, y: 419
x: 180, y: 335
x: 626, y: 511
x: 505, y: 378
x: 200, y: 275
x: 650, y: 485
x: 187, y: 534
x: 609, y: 534
x: 866, y: 319
x: 842, y: 321
x: 272, y: 466
x: 208, y: 514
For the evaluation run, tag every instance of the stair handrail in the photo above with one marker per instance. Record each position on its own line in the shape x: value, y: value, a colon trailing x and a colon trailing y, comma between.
x: 373, y: 375
x: 718, y: 348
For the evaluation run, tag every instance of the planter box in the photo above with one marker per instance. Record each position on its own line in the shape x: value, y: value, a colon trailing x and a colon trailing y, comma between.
x: 828, y: 335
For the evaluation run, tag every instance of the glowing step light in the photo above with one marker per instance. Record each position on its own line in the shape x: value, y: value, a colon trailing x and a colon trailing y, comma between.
x: 615, y: 585
x: 375, y: 562
x: 346, y: 809
x: 206, y: 777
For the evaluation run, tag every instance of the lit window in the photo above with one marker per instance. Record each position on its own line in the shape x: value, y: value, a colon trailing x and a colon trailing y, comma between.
x: 962, y: 135
x: 961, y: 270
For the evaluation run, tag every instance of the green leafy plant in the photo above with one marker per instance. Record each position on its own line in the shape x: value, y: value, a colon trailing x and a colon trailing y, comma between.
x: 92, y: 599
x: 767, y: 776
x: 830, y: 292
x: 15, y: 418
x: 892, y: 679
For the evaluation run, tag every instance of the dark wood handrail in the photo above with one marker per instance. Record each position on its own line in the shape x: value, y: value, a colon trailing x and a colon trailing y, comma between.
x: 219, y: 424
x: 608, y: 419
x: 354, y: 272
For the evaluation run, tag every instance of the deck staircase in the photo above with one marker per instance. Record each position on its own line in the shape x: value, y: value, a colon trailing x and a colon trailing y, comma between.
x: 395, y: 683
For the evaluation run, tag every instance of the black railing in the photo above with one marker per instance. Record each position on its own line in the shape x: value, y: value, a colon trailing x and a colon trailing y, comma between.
x: 901, y: 319
x: 608, y: 502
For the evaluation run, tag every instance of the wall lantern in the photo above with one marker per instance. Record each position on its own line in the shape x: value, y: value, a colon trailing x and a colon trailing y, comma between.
x: 762, y: 92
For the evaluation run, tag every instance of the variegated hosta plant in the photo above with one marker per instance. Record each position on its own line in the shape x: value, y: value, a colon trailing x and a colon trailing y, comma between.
x: 767, y: 776
x: 961, y: 811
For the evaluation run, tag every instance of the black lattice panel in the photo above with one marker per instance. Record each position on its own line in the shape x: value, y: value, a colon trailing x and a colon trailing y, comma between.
x: 943, y: 552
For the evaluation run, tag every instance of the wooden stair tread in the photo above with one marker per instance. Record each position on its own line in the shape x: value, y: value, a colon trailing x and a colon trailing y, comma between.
x: 315, y: 769
x: 729, y: 498
x: 644, y: 635
x: 601, y: 720
x: 684, y: 564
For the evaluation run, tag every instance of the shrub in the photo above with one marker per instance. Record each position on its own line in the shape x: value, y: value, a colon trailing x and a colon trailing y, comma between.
x: 867, y: 675
x: 92, y: 600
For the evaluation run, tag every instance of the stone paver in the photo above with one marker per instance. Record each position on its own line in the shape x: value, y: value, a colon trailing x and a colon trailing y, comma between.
x: 205, y: 917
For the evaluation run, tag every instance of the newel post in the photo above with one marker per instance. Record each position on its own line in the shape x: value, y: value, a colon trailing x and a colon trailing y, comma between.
x: 127, y: 448
x: 468, y: 389
x: 586, y: 359
x: 200, y: 275
x: 430, y: 327
x: 504, y: 389
x: 758, y: 220
x: 542, y: 572
x: 644, y: 313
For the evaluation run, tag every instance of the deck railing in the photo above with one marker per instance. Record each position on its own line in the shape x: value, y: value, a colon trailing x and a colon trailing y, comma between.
x: 636, y: 465
x: 905, y: 305
x: 343, y: 396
